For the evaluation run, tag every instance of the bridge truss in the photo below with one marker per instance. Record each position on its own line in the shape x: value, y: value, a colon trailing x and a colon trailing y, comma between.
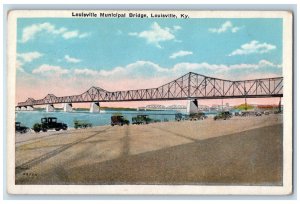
x: 188, y: 86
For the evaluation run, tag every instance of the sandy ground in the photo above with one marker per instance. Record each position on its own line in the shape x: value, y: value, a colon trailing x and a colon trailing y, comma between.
x: 239, y: 151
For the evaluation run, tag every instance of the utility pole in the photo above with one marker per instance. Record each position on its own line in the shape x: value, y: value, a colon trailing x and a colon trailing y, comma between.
x: 189, y: 85
x: 222, y: 104
x: 279, y: 106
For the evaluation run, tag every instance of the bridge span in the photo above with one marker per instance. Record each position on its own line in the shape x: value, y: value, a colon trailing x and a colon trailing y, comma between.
x: 190, y: 86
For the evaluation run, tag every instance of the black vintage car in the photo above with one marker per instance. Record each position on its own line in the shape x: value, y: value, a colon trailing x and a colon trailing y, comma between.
x: 197, y: 116
x: 20, y: 128
x: 49, y: 123
x: 178, y: 116
x: 81, y: 124
x: 223, y: 116
x: 119, y: 120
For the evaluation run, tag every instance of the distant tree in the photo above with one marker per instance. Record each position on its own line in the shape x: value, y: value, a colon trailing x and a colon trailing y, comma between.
x: 244, y: 107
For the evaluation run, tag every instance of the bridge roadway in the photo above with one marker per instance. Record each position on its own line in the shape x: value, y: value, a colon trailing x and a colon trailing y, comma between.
x: 187, y: 87
x: 161, y: 153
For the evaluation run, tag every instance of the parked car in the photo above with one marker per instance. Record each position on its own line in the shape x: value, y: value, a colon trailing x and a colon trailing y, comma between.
x: 118, y: 120
x: 141, y: 119
x: 223, y: 115
x: 49, y: 123
x: 21, y: 128
x: 178, y: 117
x: 237, y: 114
x: 197, y: 116
x: 258, y: 114
x: 81, y: 124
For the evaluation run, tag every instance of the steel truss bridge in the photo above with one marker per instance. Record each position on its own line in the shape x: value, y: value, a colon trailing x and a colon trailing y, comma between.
x: 188, y: 86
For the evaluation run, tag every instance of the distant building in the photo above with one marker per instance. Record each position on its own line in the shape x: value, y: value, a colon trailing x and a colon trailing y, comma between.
x: 175, y: 107
x: 203, y: 108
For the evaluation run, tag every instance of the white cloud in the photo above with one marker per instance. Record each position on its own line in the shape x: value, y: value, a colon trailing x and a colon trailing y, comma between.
x: 156, y: 34
x: 115, y: 71
x: 30, y: 32
x: 71, y: 59
x: 218, y: 68
x: 235, y: 29
x: 180, y: 53
x: 138, y: 68
x: 19, y: 66
x: 70, y: 34
x: 29, y: 56
x: 227, y: 26
x: 74, y: 34
x: 177, y: 27
x: 253, y: 47
x: 50, y: 69
x: 147, y: 69
x: 83, y: 35
x: 85, y: 71
x: 23, y: 58
x: 265, y: 63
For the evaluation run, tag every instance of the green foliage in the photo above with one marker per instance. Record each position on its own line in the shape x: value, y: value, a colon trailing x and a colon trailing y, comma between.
x: 244, y: 107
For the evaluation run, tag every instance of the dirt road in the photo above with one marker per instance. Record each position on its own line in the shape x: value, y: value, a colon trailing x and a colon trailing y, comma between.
x: 240, y: 151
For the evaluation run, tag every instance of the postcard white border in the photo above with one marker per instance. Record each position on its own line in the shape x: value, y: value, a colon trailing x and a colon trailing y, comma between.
x: 154, y: 189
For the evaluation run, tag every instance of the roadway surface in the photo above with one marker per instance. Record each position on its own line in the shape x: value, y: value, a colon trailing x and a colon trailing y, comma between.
x: 240, y: 151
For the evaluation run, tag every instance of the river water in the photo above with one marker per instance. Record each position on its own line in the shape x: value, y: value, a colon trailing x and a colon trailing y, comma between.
x: 29, y: 118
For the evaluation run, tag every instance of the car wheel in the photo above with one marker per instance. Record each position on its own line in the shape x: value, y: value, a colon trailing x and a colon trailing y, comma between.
x: 37, y: 130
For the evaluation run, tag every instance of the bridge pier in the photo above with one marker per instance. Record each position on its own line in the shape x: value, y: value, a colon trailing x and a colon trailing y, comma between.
x: 192, y: 106
x: 95, y: 107
x: 23, y: 108
x: 29, y: 108
x: 50, y: 108
x: 68, y: 107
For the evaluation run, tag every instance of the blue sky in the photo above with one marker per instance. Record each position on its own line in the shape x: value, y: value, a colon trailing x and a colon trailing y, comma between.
x: 109, y: 42
x: 101, y: 52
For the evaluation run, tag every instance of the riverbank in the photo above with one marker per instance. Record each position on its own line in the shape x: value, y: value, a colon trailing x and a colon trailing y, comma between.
x: 242, y: 150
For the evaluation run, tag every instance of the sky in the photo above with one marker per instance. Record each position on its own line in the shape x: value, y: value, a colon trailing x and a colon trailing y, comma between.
x: 66, y: 56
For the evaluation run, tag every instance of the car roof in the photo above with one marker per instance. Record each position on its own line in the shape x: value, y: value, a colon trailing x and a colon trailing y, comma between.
x: 49, y: 118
